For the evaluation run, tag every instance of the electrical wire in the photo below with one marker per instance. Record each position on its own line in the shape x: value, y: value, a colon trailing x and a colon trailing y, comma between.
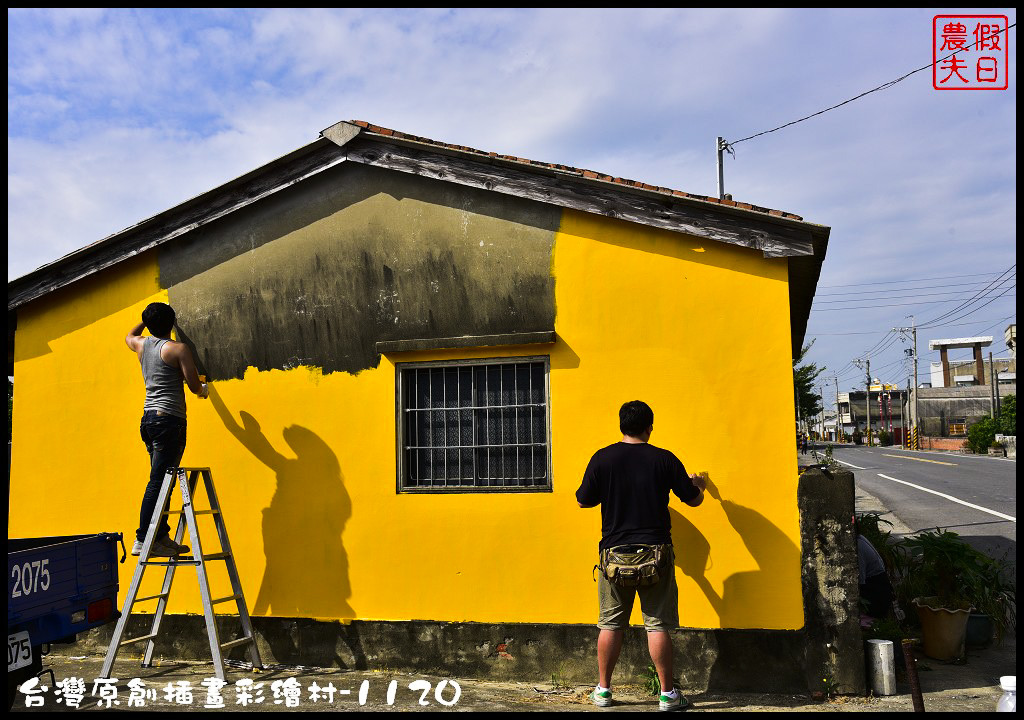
x: 899, y: 282
x: 998, y: 281
x: 874, y: 332
x: 974, y: 310
x: 884, y: 86
x: 869, y: 307
x: 974, y: 284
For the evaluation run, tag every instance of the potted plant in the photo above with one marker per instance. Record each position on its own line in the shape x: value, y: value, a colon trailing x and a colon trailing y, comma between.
x: 994, y: 598
x: 942, y: 566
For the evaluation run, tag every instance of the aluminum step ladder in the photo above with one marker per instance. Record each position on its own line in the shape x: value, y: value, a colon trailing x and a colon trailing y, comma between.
x: 188, y: 479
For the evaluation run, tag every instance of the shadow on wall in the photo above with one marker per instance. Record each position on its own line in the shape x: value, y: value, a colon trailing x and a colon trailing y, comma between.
x: 745, y: 595
x: 306, y: 564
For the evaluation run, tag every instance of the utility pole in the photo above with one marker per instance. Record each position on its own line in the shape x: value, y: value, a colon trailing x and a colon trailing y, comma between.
x: 992, y: 384
x: 861, y: 364
x: 995, y: 384
x: 917, y: 385
x: 821, y: 394
x: 904, y: 411
x: 839, y: 414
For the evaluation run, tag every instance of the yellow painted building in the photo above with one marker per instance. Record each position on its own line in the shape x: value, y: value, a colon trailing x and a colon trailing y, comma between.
x: 330, y: 293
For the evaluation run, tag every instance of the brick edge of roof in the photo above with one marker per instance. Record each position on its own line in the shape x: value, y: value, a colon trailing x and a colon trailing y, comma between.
x: 580, y: 172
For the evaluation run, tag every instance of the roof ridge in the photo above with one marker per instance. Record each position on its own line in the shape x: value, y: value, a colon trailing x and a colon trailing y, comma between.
x: 582, y: 172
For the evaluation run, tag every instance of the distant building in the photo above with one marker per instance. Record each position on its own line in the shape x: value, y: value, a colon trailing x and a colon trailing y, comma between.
x: 963, y: 373
x: 887, y: 411
x: 961, y: 392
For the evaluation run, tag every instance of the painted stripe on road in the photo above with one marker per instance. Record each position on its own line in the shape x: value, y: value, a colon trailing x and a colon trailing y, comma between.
x: 907, y: 457
x: 850, y: 464
x: 950, y: 497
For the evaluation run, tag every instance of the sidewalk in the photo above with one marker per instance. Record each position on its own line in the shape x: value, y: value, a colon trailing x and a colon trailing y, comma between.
x: 970, y: 687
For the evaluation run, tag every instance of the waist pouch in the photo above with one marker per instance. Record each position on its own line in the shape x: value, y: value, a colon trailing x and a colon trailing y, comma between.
x: 635, y: 565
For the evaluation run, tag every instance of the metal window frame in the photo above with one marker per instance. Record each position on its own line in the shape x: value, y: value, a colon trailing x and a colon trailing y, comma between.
x: 402, y: 367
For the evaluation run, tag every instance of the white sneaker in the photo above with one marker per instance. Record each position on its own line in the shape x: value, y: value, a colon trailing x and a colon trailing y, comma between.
x: 669, y: 704
x: 162, y: 547
x: 602, y: 698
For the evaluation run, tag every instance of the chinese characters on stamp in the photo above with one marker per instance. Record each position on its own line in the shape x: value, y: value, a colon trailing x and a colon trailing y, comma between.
x: 970, y: 52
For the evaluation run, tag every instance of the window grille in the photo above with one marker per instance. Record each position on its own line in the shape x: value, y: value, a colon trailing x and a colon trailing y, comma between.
x: 474, y: 425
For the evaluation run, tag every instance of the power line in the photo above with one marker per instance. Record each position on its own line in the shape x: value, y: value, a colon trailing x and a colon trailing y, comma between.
x: 971, y: 312
x: 889, y: 290
x: 877, y: 349
x: 900, y: 282
x: 868, y: 307
x: 729, y: 145
x: 960, y: 294
x: 978, y: 296
x: 874, y: 332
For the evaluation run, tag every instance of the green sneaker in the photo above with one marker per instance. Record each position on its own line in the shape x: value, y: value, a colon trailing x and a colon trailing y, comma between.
x: 602, y: 698
x: 670, y: 704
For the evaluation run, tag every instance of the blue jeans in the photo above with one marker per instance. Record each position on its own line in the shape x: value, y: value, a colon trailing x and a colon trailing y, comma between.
x: 164, y: 435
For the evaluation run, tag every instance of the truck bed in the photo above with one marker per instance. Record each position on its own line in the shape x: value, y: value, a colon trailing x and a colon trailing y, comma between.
x: 60, y: 586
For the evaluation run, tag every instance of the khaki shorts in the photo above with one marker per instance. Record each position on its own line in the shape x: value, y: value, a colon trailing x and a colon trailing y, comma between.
x: 659, y: 603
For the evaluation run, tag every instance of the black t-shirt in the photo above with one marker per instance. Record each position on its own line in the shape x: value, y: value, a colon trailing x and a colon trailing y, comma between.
x: 631, y: 482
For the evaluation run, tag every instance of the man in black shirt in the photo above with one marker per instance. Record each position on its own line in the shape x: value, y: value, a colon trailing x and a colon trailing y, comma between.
x: 631, y: 481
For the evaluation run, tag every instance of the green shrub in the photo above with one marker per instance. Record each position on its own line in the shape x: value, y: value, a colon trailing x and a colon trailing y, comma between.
x: 884, y: 438
x: 981, y: 435
x: 1008, y: 415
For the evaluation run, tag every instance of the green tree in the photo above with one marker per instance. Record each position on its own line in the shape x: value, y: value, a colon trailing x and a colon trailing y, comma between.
x: 1008, y: 415
x: 808, y: 402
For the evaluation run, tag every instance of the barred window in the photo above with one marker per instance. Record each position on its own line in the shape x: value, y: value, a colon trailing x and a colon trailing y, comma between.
x: 469, y: 426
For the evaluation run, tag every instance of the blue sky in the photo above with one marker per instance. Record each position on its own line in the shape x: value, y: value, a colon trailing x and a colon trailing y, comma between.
x: 116, y: 115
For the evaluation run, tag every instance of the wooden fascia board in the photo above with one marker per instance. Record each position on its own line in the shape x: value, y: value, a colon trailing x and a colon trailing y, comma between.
x: 804, y: 272
x: 596, y: 197
x: 206, y: 208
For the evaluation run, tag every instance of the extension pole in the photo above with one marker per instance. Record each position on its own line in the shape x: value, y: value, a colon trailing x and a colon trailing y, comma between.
x: 912, y: 678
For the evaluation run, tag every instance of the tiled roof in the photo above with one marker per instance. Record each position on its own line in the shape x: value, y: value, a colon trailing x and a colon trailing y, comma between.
x: 592, y: 174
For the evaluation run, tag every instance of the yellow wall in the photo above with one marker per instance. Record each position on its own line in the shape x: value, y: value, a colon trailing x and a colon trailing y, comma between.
x: 305, y: 462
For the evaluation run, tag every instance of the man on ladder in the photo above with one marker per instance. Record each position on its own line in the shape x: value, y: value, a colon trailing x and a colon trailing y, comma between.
x: 166, y: 365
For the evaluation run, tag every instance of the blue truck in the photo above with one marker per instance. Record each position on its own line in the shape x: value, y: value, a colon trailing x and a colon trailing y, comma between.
x: 57, y: 587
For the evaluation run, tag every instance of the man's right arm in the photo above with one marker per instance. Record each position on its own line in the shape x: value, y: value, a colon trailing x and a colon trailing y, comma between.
x: 134, y: 337
x: 701, y: 485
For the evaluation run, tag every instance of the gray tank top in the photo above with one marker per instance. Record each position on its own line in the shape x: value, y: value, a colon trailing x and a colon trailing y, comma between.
x: 165, y: 389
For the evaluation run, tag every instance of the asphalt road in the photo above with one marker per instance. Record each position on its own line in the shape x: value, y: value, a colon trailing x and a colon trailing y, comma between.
x: 975, y: 496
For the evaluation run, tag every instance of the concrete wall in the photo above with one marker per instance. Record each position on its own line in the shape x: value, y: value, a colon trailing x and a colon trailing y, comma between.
x: 300, y: 429
x: 938, y: 405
